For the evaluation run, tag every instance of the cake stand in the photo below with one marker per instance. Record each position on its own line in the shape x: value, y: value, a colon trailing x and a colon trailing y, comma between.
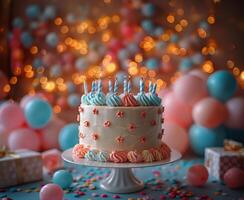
x: 121, y: 179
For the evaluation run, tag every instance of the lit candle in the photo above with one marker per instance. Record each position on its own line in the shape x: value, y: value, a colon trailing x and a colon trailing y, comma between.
x: 116, y: 86
x: 150, y: 87
x: 93, y: 86
x: 154, y: 88
x: 99, y: 86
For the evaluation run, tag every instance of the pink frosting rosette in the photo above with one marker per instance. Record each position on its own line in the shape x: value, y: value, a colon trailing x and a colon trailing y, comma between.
x: 79, y: 151
x: 134, y: 156
x: 118, y: 156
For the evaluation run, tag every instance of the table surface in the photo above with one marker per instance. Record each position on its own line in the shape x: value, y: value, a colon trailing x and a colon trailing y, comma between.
x: 160, y: 182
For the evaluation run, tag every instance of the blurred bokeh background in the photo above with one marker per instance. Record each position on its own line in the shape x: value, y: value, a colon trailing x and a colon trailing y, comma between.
x: 49, y: 48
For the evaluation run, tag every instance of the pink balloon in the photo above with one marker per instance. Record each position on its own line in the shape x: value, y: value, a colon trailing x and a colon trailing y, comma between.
x: 51, y: 192
x: 234, y: 178
x: 49, y: 134
x: 28, y: 98
x: 200, y: 74
x: 176, y: 111
x: 235, y: 107
x: 52, y: 160
x: 24, y: 138
x: 176, y: 137
x: 190, y: 89
x: 210, y: 112
x: 11, y: 116
x: 197, y: 175
x: 4, y: 134
x: 3, y: 82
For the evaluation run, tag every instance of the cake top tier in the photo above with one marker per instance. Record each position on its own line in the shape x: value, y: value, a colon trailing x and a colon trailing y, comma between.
x: 96, y: 97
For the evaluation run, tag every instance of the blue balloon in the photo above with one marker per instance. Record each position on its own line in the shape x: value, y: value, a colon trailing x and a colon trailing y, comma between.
x: 123, y: 54
x: 73, y: 100
x: 52, y: 39
x: 26, y: 39
x: 120, y: 76
x: 152, y: 63
x: 18, y: 23
x: 33, y: 11
x: 204, y: 25
x: 63, y: 178
x: 133, y: 48
x: 147, y: 25
x: 70, y: 87
x: 158, y: 31
x: 81, y: 63
x: 222, y: 85
x: 68, y: 136
x: 55, y: 70
x: 197, y: 59
x: 38, y: 113
x: 185, y: 64
x: 201, y: 138
x: 174, y: 38
x: 37, y: 62
x: 49, y: 13
x: 148, y: 9
x: 136, y: 81
x: 160, y: 46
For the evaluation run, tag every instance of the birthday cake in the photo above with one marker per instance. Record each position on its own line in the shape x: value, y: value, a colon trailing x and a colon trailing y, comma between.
x: 121, y: 128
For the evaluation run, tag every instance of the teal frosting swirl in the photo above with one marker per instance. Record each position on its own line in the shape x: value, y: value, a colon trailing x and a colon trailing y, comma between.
x: 113, y: 100
x: 98, y: 100
x: 91, y: 155
x: 102, y: 156
x: 142, y: 99
x: 89, y: 97
x: 154, y: 100
x: 84, y: 99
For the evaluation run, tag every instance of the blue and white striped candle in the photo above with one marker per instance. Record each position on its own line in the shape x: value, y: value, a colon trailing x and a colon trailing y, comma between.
x: 99, y: 86
x: 110, y: 86
x: 150, y: 87
x: 154, y: 88
x: 93, y: 89
x: 116, y: 86
x: 129, y: 86
x: 141, y: 86
x: 125, y: 85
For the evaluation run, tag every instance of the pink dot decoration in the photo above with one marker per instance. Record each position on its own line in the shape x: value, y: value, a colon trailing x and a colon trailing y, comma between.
x: 51, y: 192
x: 197, y: 175
x: 11, y: 116
x: 24, y: 138
x: 234, y: 178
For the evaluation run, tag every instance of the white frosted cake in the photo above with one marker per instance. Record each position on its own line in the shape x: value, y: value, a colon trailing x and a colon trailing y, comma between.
x: 123, y: 128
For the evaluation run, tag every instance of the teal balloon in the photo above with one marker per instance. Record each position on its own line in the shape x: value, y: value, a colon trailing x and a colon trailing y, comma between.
x: 148, y: 26
x: 186, y: 64
x: 63, y: 178
x: 52, y: 39
x: 201, y: 138
x: 148, y: 10
x: 222, y: 85
x: 38, y: 113
x: 120, y: 76
x: 18, y: 23
x: 26, y: 39
x: 68, y: 136
x: 37, y: 62
x: 33, y: 11
x: 74, y: 100
x: 152, y: 64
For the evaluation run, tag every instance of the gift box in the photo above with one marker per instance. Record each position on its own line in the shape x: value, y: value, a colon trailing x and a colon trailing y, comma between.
x: 19, y: 167
x: 218, y: 161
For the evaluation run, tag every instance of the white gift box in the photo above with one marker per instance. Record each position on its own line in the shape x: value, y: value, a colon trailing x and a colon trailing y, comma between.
x: 22, y: 166
x: 218, y: 161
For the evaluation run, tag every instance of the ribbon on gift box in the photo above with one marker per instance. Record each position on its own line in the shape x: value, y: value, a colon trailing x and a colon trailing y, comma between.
x: 231, y: 145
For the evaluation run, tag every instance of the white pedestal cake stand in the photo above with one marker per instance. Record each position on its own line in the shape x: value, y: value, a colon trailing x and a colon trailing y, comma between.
x: 121, y: 178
